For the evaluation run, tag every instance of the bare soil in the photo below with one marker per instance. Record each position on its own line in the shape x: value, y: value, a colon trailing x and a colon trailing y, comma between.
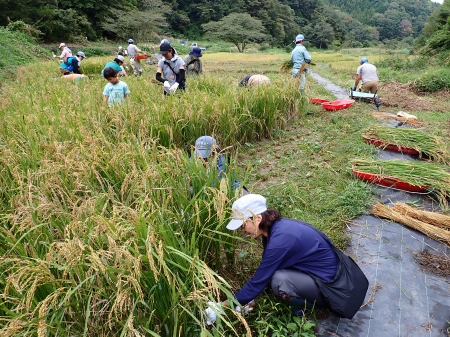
x: 403, y: 96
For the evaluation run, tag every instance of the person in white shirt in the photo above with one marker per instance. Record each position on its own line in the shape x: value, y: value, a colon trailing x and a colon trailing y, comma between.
x: 367, y: 74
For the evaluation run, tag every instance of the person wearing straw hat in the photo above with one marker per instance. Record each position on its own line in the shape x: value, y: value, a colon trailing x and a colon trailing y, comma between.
x: 367, y: 74
x: 300, y: 58
x: 193, y: 63
x: 293, y: 250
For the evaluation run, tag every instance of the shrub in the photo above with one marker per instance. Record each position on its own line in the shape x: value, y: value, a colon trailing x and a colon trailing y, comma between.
x: 90, y: 51
x: 432, y: 82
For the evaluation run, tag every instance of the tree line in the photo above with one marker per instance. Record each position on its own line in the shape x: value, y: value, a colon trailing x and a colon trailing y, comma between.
x: 325, y: 23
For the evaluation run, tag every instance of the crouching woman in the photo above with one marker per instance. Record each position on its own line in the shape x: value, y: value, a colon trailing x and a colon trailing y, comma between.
x: 299, y: 262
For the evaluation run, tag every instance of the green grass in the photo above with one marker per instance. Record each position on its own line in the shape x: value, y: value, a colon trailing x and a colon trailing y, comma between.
x: 17, y: 49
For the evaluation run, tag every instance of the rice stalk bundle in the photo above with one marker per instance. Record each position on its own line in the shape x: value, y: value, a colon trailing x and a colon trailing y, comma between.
x: 286, y: 66
x: 435, y: 177
x: 429, y: 145
x: 432, y: 218
x: 411, y: 121
x: 431, y: 231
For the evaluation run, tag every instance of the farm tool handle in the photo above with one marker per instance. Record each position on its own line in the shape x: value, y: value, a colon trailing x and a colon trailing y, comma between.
x: 301, y: 69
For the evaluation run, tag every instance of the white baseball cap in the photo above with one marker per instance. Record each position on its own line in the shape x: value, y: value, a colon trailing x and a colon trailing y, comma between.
x: 246, y: 207
x: 62, y: 44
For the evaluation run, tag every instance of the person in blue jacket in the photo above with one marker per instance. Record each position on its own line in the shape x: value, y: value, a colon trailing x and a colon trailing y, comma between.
x: 292, y: 251
x: 205, y: 149
x: 73, y: 64
x: 300, y: 58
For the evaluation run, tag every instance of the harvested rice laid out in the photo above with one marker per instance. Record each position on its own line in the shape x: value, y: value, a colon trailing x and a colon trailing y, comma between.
x: 436, y: 177
x: 436, y: 233
x: 432, y: 218
x: 432, y: 146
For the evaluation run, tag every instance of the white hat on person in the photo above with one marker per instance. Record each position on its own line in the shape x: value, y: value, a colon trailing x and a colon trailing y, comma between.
x: 246, y: 207
x: 62, y: 44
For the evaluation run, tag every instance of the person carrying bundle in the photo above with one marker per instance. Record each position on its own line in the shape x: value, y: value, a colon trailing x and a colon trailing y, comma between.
x: 132, y: 50
x: 300, y: 58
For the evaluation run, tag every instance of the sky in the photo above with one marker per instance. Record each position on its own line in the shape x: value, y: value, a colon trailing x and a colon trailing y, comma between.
x: 438, y: 1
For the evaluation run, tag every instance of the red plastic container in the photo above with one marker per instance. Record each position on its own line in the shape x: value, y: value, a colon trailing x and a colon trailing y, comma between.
x: 318, y: 100
x: 391, y: 147
x: 330, y: 106
x: 388, y: 181
x: 346, y: 102
x: 141, y: 56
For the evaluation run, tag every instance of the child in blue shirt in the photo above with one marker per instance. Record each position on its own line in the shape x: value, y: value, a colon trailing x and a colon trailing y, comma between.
x: 116, y: 91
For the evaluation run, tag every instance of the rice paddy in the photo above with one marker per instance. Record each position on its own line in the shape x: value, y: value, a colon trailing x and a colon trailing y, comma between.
x: 108, y: 227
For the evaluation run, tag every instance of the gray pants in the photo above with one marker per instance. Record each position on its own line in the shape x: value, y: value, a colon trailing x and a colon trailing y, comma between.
x: 288, y: 284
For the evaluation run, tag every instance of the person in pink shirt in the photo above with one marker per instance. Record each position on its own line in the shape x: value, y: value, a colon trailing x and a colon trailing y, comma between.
x: 65, y: 52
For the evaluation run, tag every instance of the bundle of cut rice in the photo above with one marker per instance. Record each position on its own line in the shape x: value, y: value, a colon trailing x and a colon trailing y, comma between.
x: 286, y: 66
x: 417, y: 173
x: 413, y: 122
x: 432, y: 218
x: 431, y: 231
x: 430, y: 145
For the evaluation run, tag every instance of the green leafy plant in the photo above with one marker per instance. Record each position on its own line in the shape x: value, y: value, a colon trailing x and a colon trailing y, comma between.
x: 275, y: 319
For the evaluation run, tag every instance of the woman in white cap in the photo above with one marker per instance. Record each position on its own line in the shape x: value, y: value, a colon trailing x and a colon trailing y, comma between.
x: 297, y: 258
x: 300, y: 58
x: 117, y: 65
x: 65, y: 52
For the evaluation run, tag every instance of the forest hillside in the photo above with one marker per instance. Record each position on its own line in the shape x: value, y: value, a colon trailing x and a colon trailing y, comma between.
x: 326, y: 23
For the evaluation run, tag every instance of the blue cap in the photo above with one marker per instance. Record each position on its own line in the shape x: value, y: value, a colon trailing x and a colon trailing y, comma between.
x: 196, y: 52
x: 164, y: 41
x: 364, y: 60
x: 204, y: 146
x: 130, y: 41
x: 299, y: 37
x: 81, y: 54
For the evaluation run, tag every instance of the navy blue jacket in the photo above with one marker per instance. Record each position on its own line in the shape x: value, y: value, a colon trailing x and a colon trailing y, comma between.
x: 290, y: 245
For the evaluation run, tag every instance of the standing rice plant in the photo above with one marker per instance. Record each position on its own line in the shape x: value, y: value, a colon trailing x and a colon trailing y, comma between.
x: 108, y: 228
